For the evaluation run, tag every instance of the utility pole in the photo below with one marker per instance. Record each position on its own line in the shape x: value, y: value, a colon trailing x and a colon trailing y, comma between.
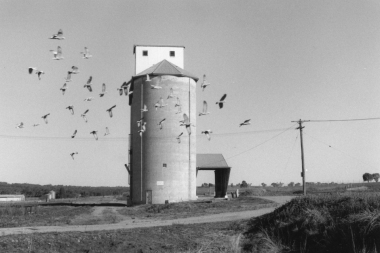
x: 302, y: 158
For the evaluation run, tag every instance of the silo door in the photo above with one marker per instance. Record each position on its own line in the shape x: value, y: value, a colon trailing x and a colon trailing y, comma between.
x: 149, y: 197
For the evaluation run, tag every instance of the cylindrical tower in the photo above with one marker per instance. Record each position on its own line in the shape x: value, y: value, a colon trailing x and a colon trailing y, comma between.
x: 163, y: 161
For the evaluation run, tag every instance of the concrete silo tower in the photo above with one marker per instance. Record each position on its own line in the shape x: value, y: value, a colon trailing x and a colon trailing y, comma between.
x: 162, y: 156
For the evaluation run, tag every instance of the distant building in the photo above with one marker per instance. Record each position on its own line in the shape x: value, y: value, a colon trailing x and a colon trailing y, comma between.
x: 7, y: 198
x: 146, y: 56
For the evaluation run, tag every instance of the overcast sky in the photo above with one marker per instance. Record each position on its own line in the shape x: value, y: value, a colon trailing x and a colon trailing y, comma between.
x: 278, y: 61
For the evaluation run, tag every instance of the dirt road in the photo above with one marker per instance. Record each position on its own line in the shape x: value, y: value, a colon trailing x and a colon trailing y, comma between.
x: 137, y: 223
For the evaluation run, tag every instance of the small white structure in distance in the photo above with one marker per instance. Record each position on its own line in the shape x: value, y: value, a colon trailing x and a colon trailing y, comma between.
x: 146, y: 56
x: 8, y: 198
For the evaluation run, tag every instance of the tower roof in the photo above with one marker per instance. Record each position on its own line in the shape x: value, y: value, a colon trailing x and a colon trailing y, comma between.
x: 165, y: 67
x: 214, y: 161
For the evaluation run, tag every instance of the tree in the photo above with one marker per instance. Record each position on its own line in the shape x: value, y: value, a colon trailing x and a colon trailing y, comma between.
x: 232, y: 184
x: 297, y: 184
x: 367, y: 177
x: 291, y: 184
x: 376, y: 176
x: 244, y: 184
x: 274, y: 184
x: 263, y: 184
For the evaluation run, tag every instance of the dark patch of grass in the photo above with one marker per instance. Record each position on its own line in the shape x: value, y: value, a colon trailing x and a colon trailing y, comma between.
x: 191, y: 209
x: 325, y: 223
x: 46, y: 216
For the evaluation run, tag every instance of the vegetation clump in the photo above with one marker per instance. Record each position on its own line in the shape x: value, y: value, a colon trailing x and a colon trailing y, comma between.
x: 328, y: 223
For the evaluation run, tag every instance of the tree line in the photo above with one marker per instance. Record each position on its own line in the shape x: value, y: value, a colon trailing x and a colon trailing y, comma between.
x: 369, y: 177
x: 62, y: 191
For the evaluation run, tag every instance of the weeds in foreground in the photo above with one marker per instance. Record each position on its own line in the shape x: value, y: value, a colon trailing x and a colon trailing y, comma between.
x: 333, y: 223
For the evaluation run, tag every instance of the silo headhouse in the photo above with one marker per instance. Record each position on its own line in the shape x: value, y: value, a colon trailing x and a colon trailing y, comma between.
x: 163, y: 127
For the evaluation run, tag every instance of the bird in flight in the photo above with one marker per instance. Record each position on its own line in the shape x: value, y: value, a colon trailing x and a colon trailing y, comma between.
x: 171, y: 94
x: 107, y: 131
x: 221, y: 101
x: 161, y: 123
x: 88, y: 84
x: 186, y: 122
x: 74, y: 134
x: 94, y: 133
x: 204, y: 83
x: 204, y: 111
x: 71, y: 108
x: 139, y: 122
x: 103, y: 90
x: 63, y: 89
x: 84, y: 115
x: 179, y: 137
x: 36, y: 125
x: 38, y: 72
x: 74, y: 70
x: 58, y: 36
x: 144, y: 109
x: 72, y: 154
x: 120, y: 91
x: 207, y: 133
x: 178, y: 103
x: 21, y: 125
x: 86, y: 53
x: 68, y: 78
x: 110, y: 110
x: 147, y: 78
x: 155, y: 86
x: 246, y: 122
x: 143, y: 129
x: 45, y: 117
x: 88, y: 99
x: 57, y: 54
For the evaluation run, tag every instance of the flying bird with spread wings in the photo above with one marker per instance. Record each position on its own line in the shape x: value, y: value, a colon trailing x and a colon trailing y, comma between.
x: 36, y: 71
x: 58, y: 36
x: 63, y: 89
x: 74, y: 70
x: 179, y: 137
x: 186, y: 122
x: 246, y: 122
x: 72, y: 154
x: 204, y: 111
x: 57, y: 54
x: 88, y: 84
x: 84, y: 115
x: 45, y: 117
x: 103, y: 90
x: 204, y: 83
x: 71, y: 108
x: 110, y: 110
x: 221, y: 101
x: 86, y: 53
x: 107, y: 131
x: 161, y: 123
x: 171, y: 94
x: 68, y: 77
x: 207, y: 133
x: 94, y: 133
x: 21, y: 125
x: 74, y: 134
x: 144, y: 109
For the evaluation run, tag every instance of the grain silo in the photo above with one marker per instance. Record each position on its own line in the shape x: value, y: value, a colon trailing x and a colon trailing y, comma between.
x: 163, y: 156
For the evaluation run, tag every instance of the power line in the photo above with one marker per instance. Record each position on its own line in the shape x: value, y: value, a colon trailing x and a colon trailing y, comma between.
x: 331, y: 120
x: 126, y: 138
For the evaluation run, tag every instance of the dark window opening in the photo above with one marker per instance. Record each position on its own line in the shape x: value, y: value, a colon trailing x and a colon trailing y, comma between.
x: 145, y: 53
x: 172, y: 54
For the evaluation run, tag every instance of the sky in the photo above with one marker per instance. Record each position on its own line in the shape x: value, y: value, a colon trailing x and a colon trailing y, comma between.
x: 278, y: 61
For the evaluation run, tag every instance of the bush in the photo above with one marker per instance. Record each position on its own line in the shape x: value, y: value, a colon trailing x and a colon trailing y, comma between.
x: 343, y: 223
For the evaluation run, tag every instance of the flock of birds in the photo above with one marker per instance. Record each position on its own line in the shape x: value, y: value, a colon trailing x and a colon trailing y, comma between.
x: 186, y: 121
x: 57, y: 55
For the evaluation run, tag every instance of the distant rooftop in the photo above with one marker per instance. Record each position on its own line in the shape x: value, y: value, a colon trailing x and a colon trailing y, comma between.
x: 211, y: 161
x: 165, y: 67
x: 134, y: 46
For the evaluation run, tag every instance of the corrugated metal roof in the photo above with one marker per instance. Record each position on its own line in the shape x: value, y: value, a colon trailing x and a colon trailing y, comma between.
x: 134, y: 46
x: 211, y: 161
x: 165, y: 67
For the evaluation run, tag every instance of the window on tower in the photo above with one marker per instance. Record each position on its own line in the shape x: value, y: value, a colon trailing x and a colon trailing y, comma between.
x: 145, y: 52
x: 172, y: 53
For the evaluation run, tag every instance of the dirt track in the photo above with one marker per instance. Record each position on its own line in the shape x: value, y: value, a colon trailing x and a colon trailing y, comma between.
x: 127, y: 224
